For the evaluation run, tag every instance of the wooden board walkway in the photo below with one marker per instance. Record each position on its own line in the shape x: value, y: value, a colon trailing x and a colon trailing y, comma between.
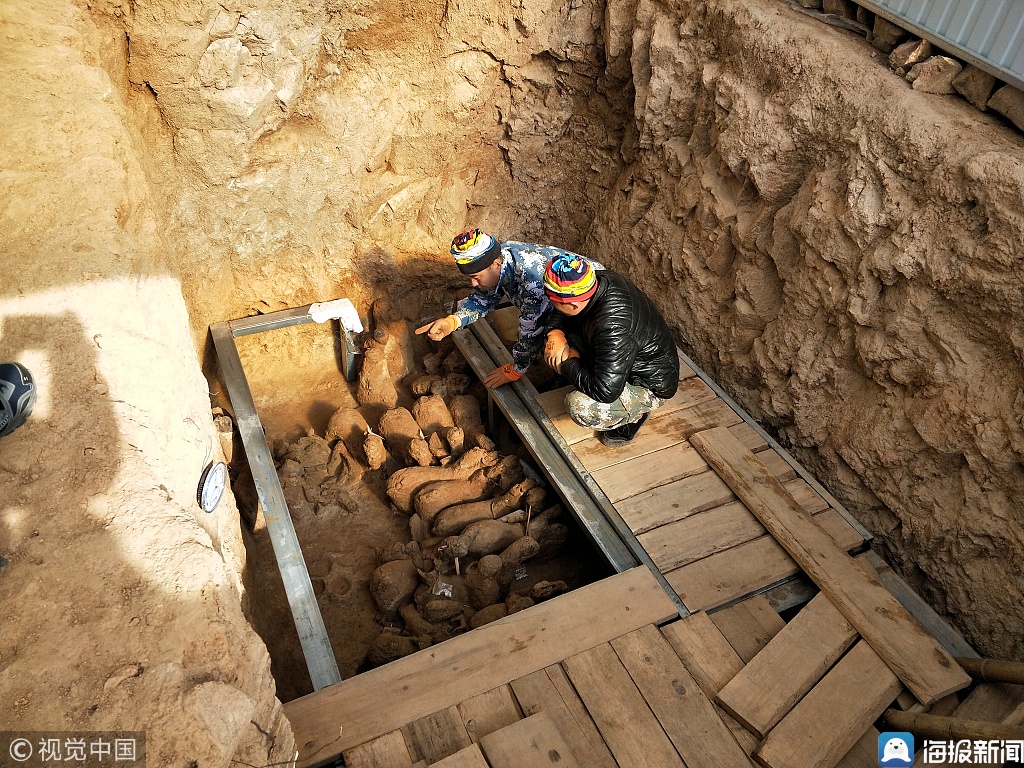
x: 609, y: 676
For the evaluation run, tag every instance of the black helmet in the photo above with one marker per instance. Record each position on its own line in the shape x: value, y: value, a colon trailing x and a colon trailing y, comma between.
x: 17, y: 396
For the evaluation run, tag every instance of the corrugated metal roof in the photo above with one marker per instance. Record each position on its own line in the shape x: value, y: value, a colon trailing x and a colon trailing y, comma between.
x: 986, y: 33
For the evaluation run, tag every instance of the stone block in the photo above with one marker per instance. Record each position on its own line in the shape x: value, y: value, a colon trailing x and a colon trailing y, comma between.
x: 845, y: 8
x: 907, y: 54
x: 935, y: 75
x: 865, y: 17
x: 975, y: 85
x: 886, y: 35
x: 1009, y: 102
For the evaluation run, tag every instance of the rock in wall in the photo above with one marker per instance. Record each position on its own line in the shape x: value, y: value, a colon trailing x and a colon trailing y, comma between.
x: 122, y: 599
x: 844, y: 255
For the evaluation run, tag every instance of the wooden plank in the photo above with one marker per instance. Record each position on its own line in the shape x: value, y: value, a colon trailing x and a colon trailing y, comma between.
x: 549, y: 690
x: 349, y: 713
x: 628, y: 726
x: 991, y: 702
x: 659, y: 468
x: 830, y: 720
x: 788, y: 667
x: 437, y: 735
x: 533, y: 742
x: 711, y: 661
x: 914, y: 655
x: 621, y: 481
x: 689, y: 718
x: 864, y: 753
x: 704, y: 651
x: 663, y: 429
x: 684, y: 541
x: 470, y: 757
x: 676, y: 499
x: 387, y: 751
x: 749, y: 625
x: 742, y: 570
x: 489, y: 711
x: 950, y: 639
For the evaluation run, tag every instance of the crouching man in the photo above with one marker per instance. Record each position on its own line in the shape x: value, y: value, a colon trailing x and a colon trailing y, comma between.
x: 612, y: 344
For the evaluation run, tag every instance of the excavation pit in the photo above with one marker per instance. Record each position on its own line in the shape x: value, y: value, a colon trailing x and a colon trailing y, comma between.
x: 415, y: 525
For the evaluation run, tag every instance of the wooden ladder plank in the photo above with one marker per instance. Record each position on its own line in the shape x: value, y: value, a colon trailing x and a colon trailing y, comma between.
x: 749, y: 625
x: 489, y: 711
x: 742, y: 570
x: 628, y: 726
x: 349, y: 713
x: 660, y: 468
x: 990, y: 702
x: 711, y: 661
x: 437, y: 735
x: 533, y: 742
x: 387, y: 751
x: 689, y: 717
x: 470, y: 757
x: 685, y: 541
x: 549, y: 690
x: 916, y: 657
x: 789, y: 666
x: 830, y: 720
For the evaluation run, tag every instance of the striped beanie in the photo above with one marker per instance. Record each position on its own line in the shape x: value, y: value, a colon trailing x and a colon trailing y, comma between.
x: 569, y: 278
x: 474, y: 251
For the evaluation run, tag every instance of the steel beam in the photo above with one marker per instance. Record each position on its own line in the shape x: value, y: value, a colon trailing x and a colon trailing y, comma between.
x: 316, y: 647
x: 597, y: 513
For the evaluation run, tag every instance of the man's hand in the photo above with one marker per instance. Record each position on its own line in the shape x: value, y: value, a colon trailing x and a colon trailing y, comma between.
x: 502, y: 375
x: 557, y: 350
x: 440, y: 328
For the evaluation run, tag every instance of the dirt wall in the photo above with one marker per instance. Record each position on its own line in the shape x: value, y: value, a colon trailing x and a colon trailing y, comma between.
x: 122, y: 601
x: 844, y: 254
x: 841, y: 252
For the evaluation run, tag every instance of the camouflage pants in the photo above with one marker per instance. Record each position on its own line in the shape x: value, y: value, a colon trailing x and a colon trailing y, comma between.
x: 633, y: 403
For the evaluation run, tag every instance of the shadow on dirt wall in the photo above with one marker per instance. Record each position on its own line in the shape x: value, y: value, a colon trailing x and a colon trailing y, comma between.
x: 90, y: 639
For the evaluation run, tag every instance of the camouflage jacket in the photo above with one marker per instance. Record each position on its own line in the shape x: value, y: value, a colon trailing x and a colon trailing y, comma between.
x: 522, y: 281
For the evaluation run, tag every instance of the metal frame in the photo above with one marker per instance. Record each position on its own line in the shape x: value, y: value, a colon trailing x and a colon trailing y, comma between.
x: 480, y: 345
x: 986, y: 33
x: 316, y: 646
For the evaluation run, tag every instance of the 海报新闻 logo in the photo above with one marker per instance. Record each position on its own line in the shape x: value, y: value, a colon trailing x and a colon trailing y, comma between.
x: 896, y: 749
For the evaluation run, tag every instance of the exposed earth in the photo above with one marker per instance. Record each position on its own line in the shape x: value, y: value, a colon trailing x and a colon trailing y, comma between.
x: 841, y: 251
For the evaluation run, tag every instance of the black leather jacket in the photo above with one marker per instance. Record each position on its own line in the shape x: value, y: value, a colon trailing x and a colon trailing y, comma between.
x: 621, y: 337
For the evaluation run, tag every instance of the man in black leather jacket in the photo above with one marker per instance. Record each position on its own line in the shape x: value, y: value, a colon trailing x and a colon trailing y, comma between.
x: 611, y: 342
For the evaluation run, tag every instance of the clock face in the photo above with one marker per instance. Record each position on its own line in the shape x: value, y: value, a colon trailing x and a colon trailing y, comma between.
x: 211, y: 485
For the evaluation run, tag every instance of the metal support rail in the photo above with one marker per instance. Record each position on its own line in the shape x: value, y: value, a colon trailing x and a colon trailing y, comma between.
x: 596, y: 513
x: 309, y: 623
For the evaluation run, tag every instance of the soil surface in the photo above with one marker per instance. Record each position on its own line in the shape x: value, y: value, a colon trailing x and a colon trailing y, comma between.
x: 840, y: 251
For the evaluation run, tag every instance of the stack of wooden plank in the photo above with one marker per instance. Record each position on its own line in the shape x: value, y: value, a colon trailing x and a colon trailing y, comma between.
x: 712, y: 550
x: 849, y: 651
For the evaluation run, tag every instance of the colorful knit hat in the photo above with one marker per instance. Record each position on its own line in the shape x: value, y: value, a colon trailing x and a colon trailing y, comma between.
x: 474, y: 251
x: 569, y: 278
